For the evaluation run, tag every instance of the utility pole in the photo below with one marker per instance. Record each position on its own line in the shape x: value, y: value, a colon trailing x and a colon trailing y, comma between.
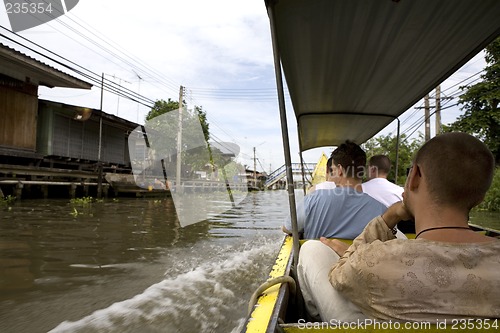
x: 119, y: 90
x: 179, y: 142
x: 438, y: 110
x: 254, y: 168
x: 99, y: 162
x: 427, y: 118
x: 139, y: 91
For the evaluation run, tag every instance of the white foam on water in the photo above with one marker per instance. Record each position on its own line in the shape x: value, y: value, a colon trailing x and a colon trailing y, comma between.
x: 200, y: 300
x: 94, y: 266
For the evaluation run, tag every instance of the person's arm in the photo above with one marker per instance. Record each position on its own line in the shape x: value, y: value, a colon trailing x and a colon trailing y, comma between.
x: 301, y: 218
x: 380, y: 229
x: 338, y: 246
x: 395, y: 213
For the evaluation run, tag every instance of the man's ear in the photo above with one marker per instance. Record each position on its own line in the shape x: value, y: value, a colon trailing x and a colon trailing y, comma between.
x: 372, y: 170
x: 414, y: 178
x: 341, y: 170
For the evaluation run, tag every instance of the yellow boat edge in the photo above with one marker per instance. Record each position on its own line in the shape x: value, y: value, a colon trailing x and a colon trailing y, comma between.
x: 261, y: 315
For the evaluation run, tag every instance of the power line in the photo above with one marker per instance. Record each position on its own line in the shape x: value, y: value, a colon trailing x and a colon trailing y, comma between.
x: 237, y: 94
x: 109, y: 86
x: 123, y: 55
x: 161, y: 78
x: 448, y: 96
x: 432, y: 113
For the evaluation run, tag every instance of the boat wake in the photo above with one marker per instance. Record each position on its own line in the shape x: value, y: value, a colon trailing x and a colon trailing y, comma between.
x: 204, y: 299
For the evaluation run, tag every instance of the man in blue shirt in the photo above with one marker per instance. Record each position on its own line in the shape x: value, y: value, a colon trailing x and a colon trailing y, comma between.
x: 344, y: 211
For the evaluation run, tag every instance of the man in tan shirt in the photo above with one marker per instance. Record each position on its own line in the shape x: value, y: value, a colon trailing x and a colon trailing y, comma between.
x: 447, y: 272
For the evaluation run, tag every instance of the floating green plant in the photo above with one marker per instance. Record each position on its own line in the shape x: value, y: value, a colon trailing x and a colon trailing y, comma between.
x: 7, y: 200
x: 86, y: 206
x: 82, y: 201
x: 74, y: 213
x: 85, y: 201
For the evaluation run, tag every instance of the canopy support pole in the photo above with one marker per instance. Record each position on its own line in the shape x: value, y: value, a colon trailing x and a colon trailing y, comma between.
x: 284, y: 134
x: 398, y: 138
x: 303, y: 172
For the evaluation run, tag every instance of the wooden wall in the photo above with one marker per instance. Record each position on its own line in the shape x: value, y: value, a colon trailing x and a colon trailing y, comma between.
x: 18, y: 114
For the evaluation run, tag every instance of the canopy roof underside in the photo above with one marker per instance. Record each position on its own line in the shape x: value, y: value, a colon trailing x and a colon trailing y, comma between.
x: 343, y: 60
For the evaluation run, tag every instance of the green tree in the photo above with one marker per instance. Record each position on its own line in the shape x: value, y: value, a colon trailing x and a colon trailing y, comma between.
x: 386, y: 145
x: 491, y: 201
x: 480, y: 103
x: 163, y: 132
x: 161, y: 107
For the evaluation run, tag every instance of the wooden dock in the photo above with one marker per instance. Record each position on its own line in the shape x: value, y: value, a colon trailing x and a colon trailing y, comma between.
x: 18, y: 180
x: 122, y: 183
x: 41, y: 182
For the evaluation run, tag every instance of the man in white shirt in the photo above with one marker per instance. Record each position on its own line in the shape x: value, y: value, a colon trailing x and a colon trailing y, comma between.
x: 378, y: 187
x: 329, y: 182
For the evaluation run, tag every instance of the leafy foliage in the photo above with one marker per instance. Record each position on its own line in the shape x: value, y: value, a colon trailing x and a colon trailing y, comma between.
x: 161, y: 107
x: 7, y: 200
x: 166, y: 135
x: 84, y: 206
x: 386, y: 145
x: 84, y: 201
x: 480, y: 103
x: 492, y: 199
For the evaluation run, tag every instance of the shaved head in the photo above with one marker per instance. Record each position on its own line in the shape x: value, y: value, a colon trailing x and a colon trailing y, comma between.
x: 458, y: 168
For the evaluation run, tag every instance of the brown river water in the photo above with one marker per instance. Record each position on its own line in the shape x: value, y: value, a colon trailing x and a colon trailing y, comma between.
x: 127, y: 266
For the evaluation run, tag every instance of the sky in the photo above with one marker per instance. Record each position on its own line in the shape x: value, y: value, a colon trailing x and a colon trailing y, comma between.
x: 220, y: 51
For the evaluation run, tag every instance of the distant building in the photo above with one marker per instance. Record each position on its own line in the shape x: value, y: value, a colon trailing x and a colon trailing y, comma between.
x: 255, y: 179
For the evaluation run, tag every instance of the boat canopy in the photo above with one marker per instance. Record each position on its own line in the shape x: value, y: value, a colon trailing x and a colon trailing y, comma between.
x: 352, y: 67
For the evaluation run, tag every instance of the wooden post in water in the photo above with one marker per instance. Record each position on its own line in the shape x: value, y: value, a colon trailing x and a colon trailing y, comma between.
x: 72, y: 191
x: 45, y: 191
x: 99, y: 163
x: 19, y: 190
x: 254, y: 169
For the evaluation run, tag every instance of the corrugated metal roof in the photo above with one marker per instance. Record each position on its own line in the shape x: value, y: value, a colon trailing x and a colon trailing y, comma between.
x: 22, y: 67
